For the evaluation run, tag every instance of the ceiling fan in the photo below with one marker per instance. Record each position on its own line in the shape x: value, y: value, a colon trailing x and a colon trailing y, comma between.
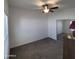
x: 48, y: 5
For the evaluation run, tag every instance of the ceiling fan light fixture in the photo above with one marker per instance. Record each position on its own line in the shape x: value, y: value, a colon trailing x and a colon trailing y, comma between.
x: 46, y: 9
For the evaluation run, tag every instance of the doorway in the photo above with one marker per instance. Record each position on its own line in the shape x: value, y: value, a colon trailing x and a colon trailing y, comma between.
x: 62, y: 28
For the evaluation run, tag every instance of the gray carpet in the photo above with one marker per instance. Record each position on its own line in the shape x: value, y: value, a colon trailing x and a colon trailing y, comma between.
x: 42, y: 49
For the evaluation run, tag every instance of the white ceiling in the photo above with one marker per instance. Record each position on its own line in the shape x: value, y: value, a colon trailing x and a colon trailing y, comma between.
x: 31, y: 4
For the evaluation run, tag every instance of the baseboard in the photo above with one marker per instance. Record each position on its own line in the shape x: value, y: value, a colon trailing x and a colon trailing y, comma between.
x: 32, y: 42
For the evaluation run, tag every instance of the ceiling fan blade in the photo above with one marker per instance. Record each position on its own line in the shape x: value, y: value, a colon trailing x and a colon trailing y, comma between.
x: 54, y: 7
x: 51, y: 10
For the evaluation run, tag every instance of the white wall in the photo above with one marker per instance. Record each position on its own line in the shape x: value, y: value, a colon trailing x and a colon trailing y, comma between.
x: 6, y: 41
x: 65, y: 14
x: 6, y: 7
x: 52, y: 28
x: 26, y: 26
x: 59, y: 26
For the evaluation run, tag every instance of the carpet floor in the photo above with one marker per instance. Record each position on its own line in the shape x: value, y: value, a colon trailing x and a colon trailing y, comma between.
x: 42, y: 49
